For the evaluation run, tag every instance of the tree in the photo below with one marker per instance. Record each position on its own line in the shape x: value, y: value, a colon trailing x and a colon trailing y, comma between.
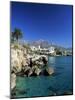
x: 12, y: 37
x: 58, y: 52
x: 16, y: 34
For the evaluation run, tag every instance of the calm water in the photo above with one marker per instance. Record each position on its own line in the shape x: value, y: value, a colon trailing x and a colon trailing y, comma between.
x: 57, y: 84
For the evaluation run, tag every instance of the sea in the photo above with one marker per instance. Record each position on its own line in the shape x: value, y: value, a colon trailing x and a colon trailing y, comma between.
x: 60, y: 83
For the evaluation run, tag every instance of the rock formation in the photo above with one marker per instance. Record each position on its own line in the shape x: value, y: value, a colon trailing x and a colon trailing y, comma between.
x: 20, y: 64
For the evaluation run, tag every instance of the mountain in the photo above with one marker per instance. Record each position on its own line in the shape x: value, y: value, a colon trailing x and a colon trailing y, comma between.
x: 46, y: 44
x: 42, y: 43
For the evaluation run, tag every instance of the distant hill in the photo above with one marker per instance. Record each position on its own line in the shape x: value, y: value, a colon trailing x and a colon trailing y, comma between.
x: 46, y: 44
x: 42, y: 43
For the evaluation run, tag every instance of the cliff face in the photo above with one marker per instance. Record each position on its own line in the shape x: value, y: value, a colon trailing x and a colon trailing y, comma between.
x: 27, y: 64
x: 18, y: 58
x: 13, y: 81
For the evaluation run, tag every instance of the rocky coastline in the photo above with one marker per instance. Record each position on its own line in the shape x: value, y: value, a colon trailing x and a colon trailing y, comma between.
x: 26, y: 63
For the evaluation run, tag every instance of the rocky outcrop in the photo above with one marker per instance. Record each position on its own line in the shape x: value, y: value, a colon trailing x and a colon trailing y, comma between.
x: 18, y: 58
x: 37, y: 71
x: 13, y: 81
x: 20, y: 64
x: 49, y: 70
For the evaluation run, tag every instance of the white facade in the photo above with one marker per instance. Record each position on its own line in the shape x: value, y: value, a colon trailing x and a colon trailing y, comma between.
x: 51, y: 50
x: 33, y: 48
x: 46, y: 50
x: 39, y: 47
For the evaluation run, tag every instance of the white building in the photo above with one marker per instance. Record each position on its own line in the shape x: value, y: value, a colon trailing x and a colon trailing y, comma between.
x: 39, y: 47
x: 33, y: 48
x: 51, y: 49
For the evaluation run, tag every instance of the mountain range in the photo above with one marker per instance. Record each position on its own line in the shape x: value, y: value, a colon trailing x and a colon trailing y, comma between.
x: 46, y: 44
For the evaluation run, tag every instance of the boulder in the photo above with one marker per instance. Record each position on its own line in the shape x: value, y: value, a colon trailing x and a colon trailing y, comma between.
x: 15, y: 60
x: 18, y: 59
x: 39, y: 63
x: 37, y: 71
x: 13, y: 81
x: 30, y: 72
x: 48, y: 71
x: 27, y: 71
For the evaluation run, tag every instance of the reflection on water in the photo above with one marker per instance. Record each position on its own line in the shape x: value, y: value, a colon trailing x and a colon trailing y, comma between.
x: 51, y: 60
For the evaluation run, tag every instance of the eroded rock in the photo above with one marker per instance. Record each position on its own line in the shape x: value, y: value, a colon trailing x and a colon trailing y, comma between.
x: 13, y: 81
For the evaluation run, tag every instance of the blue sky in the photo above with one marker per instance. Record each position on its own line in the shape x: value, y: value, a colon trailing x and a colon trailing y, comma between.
x: 48, y: 22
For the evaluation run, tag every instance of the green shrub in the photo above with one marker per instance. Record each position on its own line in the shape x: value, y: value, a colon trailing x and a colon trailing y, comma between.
x: 16, y: 46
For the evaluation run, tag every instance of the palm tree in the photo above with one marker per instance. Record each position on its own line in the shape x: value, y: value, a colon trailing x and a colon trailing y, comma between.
x: 12, y: 36
x: 16, y: 34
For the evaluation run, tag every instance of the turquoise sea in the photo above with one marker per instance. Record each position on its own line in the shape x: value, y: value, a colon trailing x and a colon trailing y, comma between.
x: 60, y: 83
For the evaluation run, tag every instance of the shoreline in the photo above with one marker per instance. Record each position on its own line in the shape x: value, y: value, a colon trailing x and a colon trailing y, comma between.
x: 20, y: 63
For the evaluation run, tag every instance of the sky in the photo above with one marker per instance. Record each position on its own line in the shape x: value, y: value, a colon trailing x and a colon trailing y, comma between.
x: 48, y: 22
